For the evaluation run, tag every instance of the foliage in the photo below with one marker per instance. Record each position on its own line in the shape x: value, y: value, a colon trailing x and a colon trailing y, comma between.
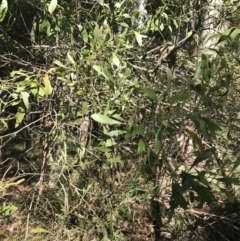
x: 121, y: 122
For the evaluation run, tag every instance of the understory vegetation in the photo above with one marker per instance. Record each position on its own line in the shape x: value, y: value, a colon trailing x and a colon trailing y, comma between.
x: 117, y: 122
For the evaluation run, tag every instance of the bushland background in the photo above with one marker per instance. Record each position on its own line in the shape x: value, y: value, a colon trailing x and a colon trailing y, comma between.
x: 119, y: 120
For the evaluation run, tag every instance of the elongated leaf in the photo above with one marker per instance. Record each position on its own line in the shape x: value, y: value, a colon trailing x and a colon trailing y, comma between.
x: 102, y: 71
x: 71, y: 59
x: 158, y: 141
x: 117, y: 159
x: 235, y: 33
x: 103, y: 119
x: 104, y: 149
x: 205, y: 155
x: 204, y: 193
x: 169, y: 75
x: 141, y: 147
x: 115, y: 59
x: 149, y: 93
x: 228, y: 195
x: 236, y: 164
x: 58, y: 63
x: 97, y: 33
x: 52, y: 6
x: 138, y: 38
x: 39, y: 230
x: 85, y: 35
x: 3, y: 10
x: 19, y: 116
x: 196, y: 140
x: 134, y: 130
x: 118, y: 117
x: 47, y: 85
x: 25, y: 96
x: 114, y: 133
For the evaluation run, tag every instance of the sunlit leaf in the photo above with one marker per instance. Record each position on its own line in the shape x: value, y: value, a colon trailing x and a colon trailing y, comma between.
x: 25, y: 98
x: 235, y: 33
x: 103, y: 119
x: 71, y: 59
x: 115, y: 59
x: 85, y: 35
x: 47, y: 85
x: 52, y: 6
x: 39, y: 230
x: 19, y: 116
x: 3, y: 9
x: 58, y: 63
x: 138, y: 38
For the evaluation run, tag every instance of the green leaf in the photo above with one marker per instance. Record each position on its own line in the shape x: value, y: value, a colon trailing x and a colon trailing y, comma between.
x: 236, y: 164
x: 84, y: 35
x: 127, y: 72
x: 158, y: 141
x: 34, y: 88
x: 177, y: 198
x: 114, y: 133
x: 84, y: 107
x: 229, y: 180
x: 115, y: 60
x: 141, y: 147
x: 71, y: 58
x: 3, y: 122
x: 3, y: 10
x: 223, y: 38
x: 235, y: 33
x: 152, y: 158
x: 169, y: 75
x: 198, y: 71
x: 196, y: 140
x: 58, y: 63
x: 138, y: 38
x: 97, y: 33
x: 228, y: 194
x: 19, y: 116
x: 162, y: 27
x: 204, y: 193
x: 102, y: 71
x: 118, y: 117
x: 103, y: 119
x: 39, y: 230
x: 212, y: 127
x: 134, y: 130
x: 117, y: 159
x: 25, y: 96
x: 104, y: 149
x: 47, y: 85
x: 52, y: 6
x: 203, y: 156
x: 149, y: 93
x: 202, y: 178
